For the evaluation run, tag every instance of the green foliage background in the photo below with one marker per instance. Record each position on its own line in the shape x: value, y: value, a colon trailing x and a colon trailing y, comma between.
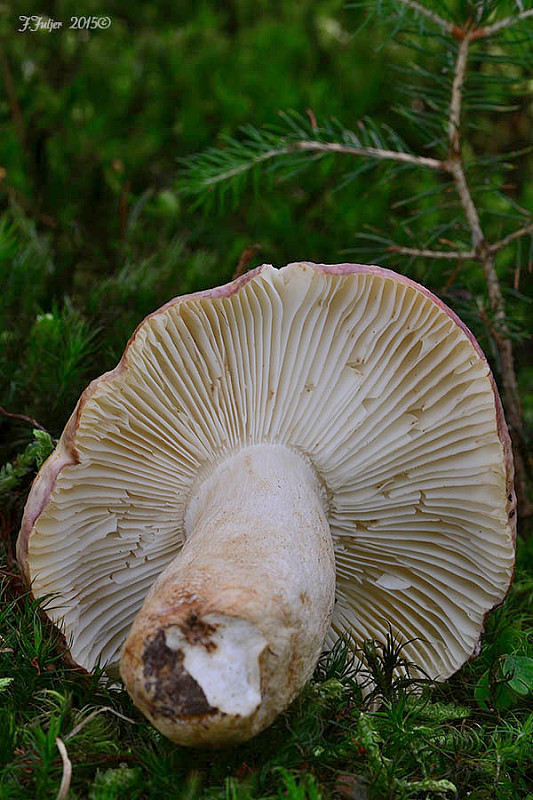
x: 90, y: 180
x: 95, y: 233
x: 92, y: 129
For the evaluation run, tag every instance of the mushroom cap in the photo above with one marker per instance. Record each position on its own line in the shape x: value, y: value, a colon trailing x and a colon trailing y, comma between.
x: 368, y: 375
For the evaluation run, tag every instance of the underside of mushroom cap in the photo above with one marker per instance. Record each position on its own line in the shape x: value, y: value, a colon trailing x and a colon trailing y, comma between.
x: 367, y: 375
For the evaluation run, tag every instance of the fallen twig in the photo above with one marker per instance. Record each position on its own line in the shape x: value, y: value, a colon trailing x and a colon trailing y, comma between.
x: 67, y: 771
x: 94, y: 714
x: 29, y: 420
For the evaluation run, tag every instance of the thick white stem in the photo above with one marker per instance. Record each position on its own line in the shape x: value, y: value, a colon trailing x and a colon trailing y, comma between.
x: 232, y: 629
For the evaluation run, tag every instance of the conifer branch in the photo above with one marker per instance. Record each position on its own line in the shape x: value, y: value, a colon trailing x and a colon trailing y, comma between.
x: 372, y: 152
x: 220, y: 177
x: 289, y: 144
x: 512, y: 237
x: 448, y: 27
x: 337, y: 148
x: 452, y: 255
x: 455, y: 163
x: 457, y: 171
x: 461, y: 33
x: 496, y: 27
x: 456, y: 100
x: 498, y: 328
x: 456, y: 168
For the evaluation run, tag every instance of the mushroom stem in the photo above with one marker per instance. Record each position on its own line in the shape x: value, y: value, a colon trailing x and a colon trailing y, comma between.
x: 233, y: 627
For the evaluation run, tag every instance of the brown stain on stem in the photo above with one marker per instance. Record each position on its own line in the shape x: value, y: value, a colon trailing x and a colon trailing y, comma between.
x: 172, y: 691
x: 198, y: 632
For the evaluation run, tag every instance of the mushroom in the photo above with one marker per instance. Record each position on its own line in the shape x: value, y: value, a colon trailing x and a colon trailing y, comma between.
x: 300, y: 453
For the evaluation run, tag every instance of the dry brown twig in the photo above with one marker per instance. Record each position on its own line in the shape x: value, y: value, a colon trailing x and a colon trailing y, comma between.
x: 29, y: 420
x: 66, y: 777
